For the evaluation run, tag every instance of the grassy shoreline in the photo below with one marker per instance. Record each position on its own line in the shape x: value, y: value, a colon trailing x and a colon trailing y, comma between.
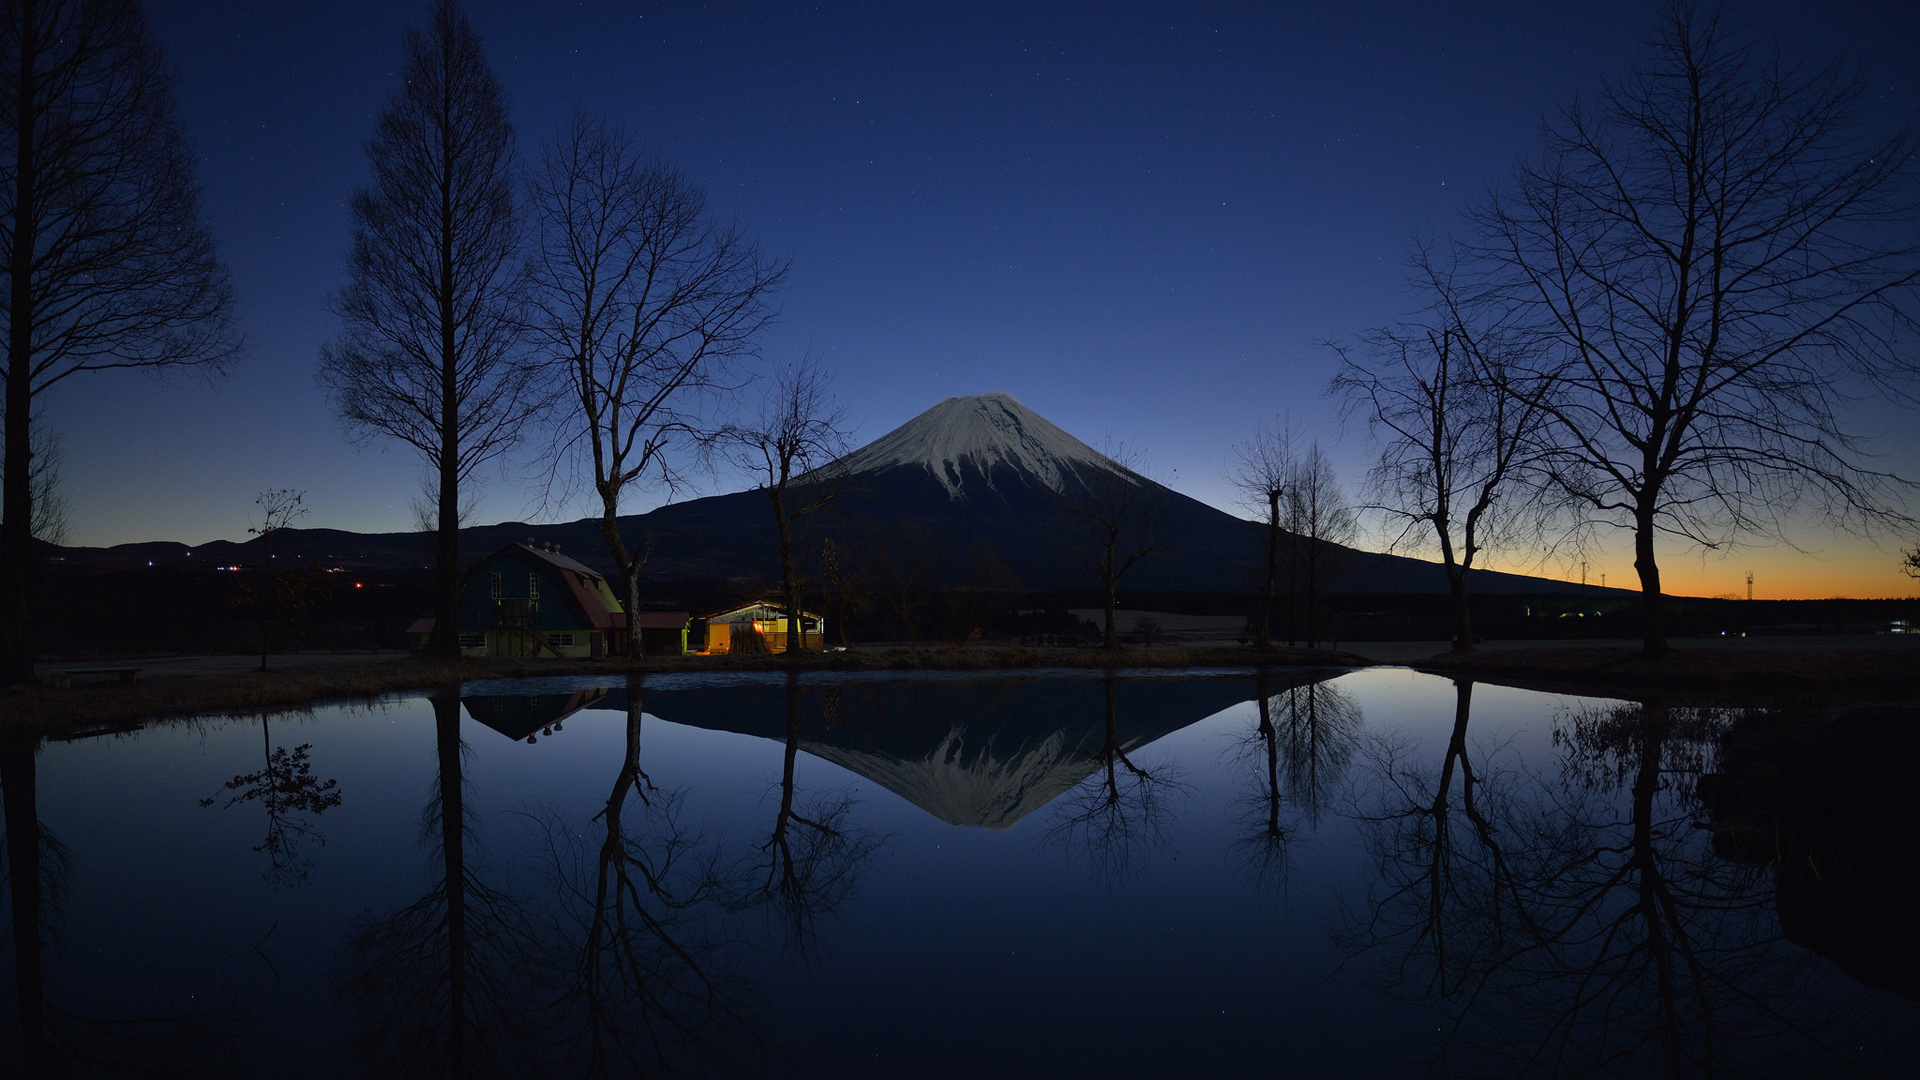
x: 1789, y: 670
x: 108, y: 704
x: 1613, y: 671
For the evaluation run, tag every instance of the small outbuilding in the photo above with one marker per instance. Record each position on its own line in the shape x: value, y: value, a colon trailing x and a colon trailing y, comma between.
x: 759, y: 627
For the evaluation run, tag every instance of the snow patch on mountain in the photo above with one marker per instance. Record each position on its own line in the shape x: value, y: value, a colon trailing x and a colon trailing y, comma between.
x: 970, y: 786
x: 984, y: 431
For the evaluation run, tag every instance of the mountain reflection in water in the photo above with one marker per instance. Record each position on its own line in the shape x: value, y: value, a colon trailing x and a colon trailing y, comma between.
x: 787, y: 876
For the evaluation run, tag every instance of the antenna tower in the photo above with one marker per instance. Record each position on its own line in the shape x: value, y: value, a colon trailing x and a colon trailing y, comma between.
x: 1749, y: 584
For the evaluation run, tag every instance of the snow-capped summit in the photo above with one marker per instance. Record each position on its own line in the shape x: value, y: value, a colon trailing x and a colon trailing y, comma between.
x: 981, y: 432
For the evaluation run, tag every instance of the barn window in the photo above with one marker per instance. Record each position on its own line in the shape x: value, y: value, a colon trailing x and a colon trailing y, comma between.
x: 473, y: 641
x: 533, y: 586
x: 561, y: 641
x: 496, y: 586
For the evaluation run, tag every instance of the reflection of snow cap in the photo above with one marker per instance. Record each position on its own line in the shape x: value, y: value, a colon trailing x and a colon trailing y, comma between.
x: 984, y: 431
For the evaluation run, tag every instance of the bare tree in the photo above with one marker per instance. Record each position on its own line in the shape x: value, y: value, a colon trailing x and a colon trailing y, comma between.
x: 1318, y: 514
x: 281, y: 595
x: 641, y: 302
x: 109, y: 264
x: 840, y: 568
x: 1263, y: 473
x: 427, y: 351
x: 50, y: 520
x: 1454, y: 430
x: 1119, y: 509
x: 1910, y: 563
x: 789, y: 449
x: 1716, y: 260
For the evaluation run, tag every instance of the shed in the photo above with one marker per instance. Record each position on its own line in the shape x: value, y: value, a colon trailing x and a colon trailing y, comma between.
x: 758, y: 627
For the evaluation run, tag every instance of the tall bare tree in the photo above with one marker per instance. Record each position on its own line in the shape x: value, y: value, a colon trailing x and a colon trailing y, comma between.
x: 1455, y: 432
x: 790, y: 449
x: 1263, y: 472
x: 1910, y: 562
x: 109, y: 264
x: 642, y: 303
x: 427, y: 352
x: 1717, y: 259
x: 1119, y: 510
x: 1318, y: 514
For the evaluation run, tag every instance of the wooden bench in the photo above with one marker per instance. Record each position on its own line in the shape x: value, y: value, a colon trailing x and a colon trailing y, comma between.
x: 68, y: 676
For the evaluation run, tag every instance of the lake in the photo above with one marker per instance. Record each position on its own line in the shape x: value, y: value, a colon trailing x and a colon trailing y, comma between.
x: 1367, y: 873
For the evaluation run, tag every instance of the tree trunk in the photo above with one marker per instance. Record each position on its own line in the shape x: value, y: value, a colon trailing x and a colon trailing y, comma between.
x: 1653, y: 633
x: 1462, y: 610
x: 1113, y: 638
x: 789, y: 589
x: 1263, y: 634
x: 446, y: 717
x: 16, y: 502
x: 1313, y: 590
x: 17, y: 777
x: 1293, y: 585
x: 636, y: 642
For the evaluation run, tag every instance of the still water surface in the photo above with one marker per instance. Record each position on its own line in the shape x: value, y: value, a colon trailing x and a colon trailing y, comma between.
x: 1375, y: 873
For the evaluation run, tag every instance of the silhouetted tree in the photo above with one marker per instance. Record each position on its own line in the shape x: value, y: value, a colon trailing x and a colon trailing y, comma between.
x: 1121, y: 812
x: 426, y: 354
x: 1118, y: 510
x: 48, y: 1039
x: 814, y: 855
x: 789, y: 449
x: 288, y: 793
x: 281, y: 595
x: 1264, y: 473
x: 643, y: 982
x: 1583, y: 925
x: 440, y: 986
x: 1455, y: 435
x: 840, y: 569
x: 1910, y: 563
x: 1318, y: 514
x: 642, y: 303
x: 1713, y: 257
x: 109, y: 264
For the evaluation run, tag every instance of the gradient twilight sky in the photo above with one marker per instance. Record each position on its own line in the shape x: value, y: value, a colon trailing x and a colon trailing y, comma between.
x: 1138, y: 219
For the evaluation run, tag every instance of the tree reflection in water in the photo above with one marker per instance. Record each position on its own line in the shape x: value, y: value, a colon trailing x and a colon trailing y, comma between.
x: 642, y: 982
x: 1301, y: 745
x: 41, y: 1038
x: 439, y: 987
x: 1581, y: 924
x: 288, y: 793
x: 1120, y: 813
x: 814, y: 855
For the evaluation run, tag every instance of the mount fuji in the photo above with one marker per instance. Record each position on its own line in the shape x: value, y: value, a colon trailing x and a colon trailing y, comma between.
x: 972, y: 492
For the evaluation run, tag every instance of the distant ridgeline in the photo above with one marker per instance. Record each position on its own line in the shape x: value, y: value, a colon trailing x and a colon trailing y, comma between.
x: 974, y: 492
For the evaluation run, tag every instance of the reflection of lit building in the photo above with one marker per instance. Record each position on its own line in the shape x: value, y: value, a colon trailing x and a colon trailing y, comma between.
x: 528, y: 716
x: 529, y: 601
x: 759, y: 627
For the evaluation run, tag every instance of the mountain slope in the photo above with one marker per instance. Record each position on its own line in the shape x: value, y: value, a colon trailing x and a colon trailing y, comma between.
x: 976, y: 491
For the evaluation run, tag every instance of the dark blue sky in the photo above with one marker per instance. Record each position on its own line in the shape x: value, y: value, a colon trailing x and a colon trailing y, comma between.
x: 1139, y: 219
